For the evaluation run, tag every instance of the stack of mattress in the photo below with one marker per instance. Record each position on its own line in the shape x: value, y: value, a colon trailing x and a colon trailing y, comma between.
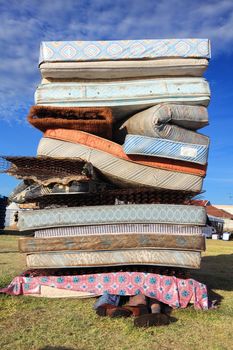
x: 120, y: 157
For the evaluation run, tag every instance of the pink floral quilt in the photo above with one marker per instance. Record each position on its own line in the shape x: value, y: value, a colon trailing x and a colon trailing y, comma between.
x: 176, y: 292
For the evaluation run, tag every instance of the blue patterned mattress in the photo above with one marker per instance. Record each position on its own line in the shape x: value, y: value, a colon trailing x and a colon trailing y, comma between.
x: 126, y: 96
x: 112, y: 214
x: 151, y: 146
x: 52, y: 51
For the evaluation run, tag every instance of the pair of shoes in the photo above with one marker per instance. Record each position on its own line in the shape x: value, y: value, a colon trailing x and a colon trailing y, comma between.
x: 121, y: 311
x: 149, y: 320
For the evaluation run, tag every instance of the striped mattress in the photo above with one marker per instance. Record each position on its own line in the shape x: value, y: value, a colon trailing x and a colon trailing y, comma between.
x: 66, y: 51
x: 112, y: 214
x: 119, y: 229
x: 151, y: 146
x: 161, y: 257
x: 115, y: 149
x: 119, y: 171
x: 124, y: 97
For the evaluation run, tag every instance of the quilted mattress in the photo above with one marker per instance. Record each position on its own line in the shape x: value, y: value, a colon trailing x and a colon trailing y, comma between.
x: 120, y: 229
x: 110, y: 242
x: 161, y: 257
x: 62, y: 51
x: 120, y: 69
x: 119, y: 171
x: 124, y: 97
x: 113, y: 214
x: 151, y: 146
x: 115, y: 149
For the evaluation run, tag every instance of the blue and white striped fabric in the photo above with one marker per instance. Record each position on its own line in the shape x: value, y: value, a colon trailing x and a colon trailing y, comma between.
x: 151, y: 146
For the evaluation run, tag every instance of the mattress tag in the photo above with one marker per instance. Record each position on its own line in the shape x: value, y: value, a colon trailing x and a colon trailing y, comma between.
x: 188, y: 152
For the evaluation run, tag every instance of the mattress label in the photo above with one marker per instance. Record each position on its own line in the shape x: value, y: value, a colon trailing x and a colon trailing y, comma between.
x: 188, y: 152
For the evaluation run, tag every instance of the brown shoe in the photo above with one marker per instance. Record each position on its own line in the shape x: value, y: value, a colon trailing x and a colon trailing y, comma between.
x: 112, y: 311
x: 151, y: 320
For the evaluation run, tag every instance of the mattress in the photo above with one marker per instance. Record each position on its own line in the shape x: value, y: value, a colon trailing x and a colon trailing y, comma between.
x: 48, y: 170
x: 120, y: 229
x: 151, y: 146
x: 113, y: 214
x: 184, y: 259
x: 110, y: 242
x: 119, y: 171
x: 124, y: 97
x: 114, y: 149
x: 121, y: 69
x: 152, y: 120
x: 63, y: 51
x: 96, y: 121
x: 35, y: 191
x: 97, y: 194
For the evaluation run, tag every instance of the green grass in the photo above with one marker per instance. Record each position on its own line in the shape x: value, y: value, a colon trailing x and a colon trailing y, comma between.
x: 36, y: 323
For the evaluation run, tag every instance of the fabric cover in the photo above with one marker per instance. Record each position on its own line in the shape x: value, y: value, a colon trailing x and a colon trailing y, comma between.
x: 52, y: 51
x: 174, y: 291
x: 114, y: 149
x: 154, y: 122
x: 151, y: 146
x: 184, y: 259
x: 112, y: 214
x: 125, y: 97
x: 122, y: 172
x: 121, y: 69
x: 110, y: 242
x: 96, y: 121
x: 119, y: 229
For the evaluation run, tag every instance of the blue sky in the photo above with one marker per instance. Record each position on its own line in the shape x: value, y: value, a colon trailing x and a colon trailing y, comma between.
x: 24, y: 24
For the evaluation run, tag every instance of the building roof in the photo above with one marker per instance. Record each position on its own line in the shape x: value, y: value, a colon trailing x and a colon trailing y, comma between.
x: 213, y: 211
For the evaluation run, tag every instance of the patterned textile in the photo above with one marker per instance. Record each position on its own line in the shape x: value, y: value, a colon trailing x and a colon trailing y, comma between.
x: 122, y: 69
x: 122, y: 172
x: 161, y: 257
x: 173, y: 291
x: 110, y: 242
x: 122, y: 49
x: 113, y: 214
x: 114, y: 149
x: 96, y: 121
x: 120, y: 229
x: 125, y: 97
x: 151, y: 146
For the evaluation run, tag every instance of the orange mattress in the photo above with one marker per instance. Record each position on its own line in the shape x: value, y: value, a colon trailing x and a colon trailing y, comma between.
x: 104, y: 145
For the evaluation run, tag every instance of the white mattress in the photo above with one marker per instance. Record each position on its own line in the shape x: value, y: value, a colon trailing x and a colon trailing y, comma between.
x: 193, y: 67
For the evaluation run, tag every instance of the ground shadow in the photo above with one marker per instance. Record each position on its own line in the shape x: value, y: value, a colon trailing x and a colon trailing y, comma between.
x: 16, y: 233
x: 216, y: 273
x: 48, y: 347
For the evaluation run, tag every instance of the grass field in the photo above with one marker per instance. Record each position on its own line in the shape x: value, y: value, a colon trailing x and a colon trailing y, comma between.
x: 35, y: 323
